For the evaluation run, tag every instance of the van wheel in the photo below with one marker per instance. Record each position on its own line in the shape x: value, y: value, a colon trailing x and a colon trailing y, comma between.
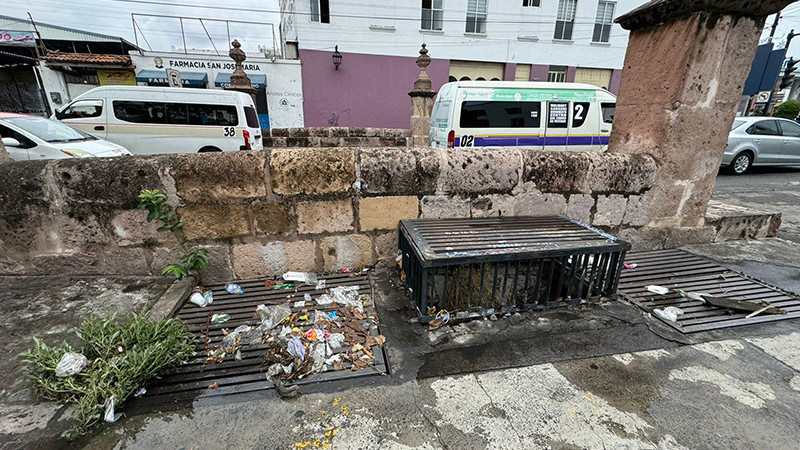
x: 208, y: 149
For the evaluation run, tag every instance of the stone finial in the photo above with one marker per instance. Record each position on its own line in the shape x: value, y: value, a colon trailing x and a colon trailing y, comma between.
x: 423, y: 83
x: 239, y: 78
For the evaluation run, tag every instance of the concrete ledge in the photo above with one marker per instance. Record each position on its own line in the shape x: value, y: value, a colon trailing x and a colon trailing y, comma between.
x: 734, y: 222
x: 170, y: 300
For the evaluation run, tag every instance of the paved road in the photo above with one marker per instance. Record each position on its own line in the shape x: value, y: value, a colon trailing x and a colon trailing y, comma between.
x: 766, y: 188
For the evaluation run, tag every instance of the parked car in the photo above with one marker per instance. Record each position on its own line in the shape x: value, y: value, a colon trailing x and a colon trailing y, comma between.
x: 32, y: 137
x: 761, y: 141
x: 149, y: 120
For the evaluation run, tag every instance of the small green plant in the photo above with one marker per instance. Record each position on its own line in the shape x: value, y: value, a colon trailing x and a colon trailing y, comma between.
x: 787, y: 110
x: 122, y: 356
x: 158, y: 209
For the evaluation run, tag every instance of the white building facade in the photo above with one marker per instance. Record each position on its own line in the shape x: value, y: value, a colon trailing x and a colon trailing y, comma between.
x: 523, y: 40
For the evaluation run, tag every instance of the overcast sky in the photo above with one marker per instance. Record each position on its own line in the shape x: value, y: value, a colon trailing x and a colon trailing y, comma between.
x: 114, y: 17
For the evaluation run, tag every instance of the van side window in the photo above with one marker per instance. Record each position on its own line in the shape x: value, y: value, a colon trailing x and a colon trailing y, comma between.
x: 82, y: 109
x: 609, y: 110
x: 139, y: 112
x: 490, y: 114
x: 252, y: 117
x: 175, y: 113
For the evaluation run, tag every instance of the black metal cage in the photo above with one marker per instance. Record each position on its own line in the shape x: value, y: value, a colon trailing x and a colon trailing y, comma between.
x: 478, y: 267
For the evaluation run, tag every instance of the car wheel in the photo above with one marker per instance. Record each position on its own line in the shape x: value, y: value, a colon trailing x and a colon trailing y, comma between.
x: 741, y: 163
x: 208, y: 150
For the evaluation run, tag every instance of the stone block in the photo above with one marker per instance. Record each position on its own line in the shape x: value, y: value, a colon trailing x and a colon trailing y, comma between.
x: 579, y: 207
x: 214, y: 221
x: 125, y: 261
x: 279, y: 142
x: 396, y: 132
x: 282, y: 132
x: 220, y: 176
x: 559, y: 172
x: 296, y: 141
x: 219, y: 269
x: 636, y: 211
x: 9, y: 266
x: 402, y: 142
x: 481, y: 171
x: 679, y: 236
x: 610, y: 210
x: 384, y: 213
x: 353, y: 251
x: 535, y: 204
x: 621, y: 174
x: 357, y: 131
x: 67, y: 263
x: 339, y: 131
x: 131, y: 228
x: 386, y: 248
x: 312, y: 171
x: 493, y: 206
x: 270, y: 218
x: 398, y: 171
x: 373, y: 132
x: 330, y: 142
x: 25, y: 202
x: 324, y: 217
x: 256, y: 260
x: 444, y: 207
x: 643, y: 239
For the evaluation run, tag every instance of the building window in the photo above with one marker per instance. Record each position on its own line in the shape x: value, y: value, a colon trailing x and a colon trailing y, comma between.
x: 557, y: 74
x: 432, y: 15
x: 531, y: 3
x: 320, y: 11
x: 602, y: 25
x: 476, y: 16
x: 565, y: 19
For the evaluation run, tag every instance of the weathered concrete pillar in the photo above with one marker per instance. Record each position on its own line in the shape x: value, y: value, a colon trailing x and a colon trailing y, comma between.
x: 681, y: 84
x: 421, y: 103
x: 240, y: 82
x: 3, y: 153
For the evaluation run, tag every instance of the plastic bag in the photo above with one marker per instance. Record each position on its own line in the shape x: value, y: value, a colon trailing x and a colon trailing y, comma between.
x: 318, y: 353
x: 657, y: 289
x: 109, y: 415
x: 220, y: 318
x: 309, y: 278
x: 336, y: 340
x: 296, y: 348
x: 70, y: 364
x: 272, y: 315
x: 669, y: 313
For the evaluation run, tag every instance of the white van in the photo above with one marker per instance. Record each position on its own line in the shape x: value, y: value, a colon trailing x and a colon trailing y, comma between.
x: 150, y: 120
x: 552, y: 116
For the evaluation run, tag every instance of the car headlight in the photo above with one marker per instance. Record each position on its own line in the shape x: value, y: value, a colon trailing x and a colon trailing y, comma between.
x: 75, y: 153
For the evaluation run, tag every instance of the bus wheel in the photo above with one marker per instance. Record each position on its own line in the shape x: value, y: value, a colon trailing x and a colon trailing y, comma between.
x: 208, y: 149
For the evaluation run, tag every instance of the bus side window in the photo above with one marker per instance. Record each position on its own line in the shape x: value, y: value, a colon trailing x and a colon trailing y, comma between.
x: 608, y: 109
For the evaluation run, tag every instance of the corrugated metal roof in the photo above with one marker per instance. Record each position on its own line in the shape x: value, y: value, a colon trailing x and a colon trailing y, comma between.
x: 54, y: 32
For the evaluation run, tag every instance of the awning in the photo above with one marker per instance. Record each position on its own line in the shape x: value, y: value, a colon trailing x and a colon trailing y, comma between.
x: 258, y: 80
x: 159, y: 78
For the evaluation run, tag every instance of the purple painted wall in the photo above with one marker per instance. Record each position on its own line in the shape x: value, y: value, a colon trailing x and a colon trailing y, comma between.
x: 571, y: 74
x: 616, y: 77
x: 509, y: 71
x: 366, y: 91
x: 539, y: 72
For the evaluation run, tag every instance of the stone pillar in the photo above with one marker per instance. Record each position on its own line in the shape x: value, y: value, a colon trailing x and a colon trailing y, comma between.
x: 239, y: 79
x: 681, y: 84
x: 421, y: 103
x: 3, y: 153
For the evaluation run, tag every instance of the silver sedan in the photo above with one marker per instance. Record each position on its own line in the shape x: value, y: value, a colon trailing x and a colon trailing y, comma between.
x: 761, y: 141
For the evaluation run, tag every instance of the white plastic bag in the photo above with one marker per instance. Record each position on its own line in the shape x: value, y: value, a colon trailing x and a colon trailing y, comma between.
x: 70, y: 364
x: 661, y: 290
x: 272, y: 315
x: 109, y: 415
x: 669, y: 313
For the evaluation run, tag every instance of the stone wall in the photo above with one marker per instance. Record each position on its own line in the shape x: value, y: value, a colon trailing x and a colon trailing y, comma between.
x: 338, y: 137
x: 263, y: 213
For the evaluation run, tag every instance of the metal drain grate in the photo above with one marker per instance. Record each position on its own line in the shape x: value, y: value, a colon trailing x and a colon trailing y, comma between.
x: 247, y: 375
x: 476, y: 267
x: 677, y: 269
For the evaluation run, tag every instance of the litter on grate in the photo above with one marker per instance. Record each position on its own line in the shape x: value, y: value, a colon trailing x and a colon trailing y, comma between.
x: 707, y: 295
x: 267, y: 328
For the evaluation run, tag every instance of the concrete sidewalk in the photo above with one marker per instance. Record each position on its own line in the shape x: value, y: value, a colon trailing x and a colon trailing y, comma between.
x: 605, y: 376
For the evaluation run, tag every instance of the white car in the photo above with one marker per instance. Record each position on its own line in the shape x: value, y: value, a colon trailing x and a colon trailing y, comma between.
x: 32, y: 137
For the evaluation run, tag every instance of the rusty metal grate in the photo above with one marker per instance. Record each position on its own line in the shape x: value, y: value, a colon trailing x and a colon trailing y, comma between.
x: 477, y: 267
x: 247, y: 375
x: 680, y: 270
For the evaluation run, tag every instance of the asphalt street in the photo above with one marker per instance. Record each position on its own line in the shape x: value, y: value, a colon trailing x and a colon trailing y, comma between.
x: 775, y: 189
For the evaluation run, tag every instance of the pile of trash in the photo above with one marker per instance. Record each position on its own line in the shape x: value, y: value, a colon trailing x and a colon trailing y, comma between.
x: 672, y: 313
x: 336, y: 335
